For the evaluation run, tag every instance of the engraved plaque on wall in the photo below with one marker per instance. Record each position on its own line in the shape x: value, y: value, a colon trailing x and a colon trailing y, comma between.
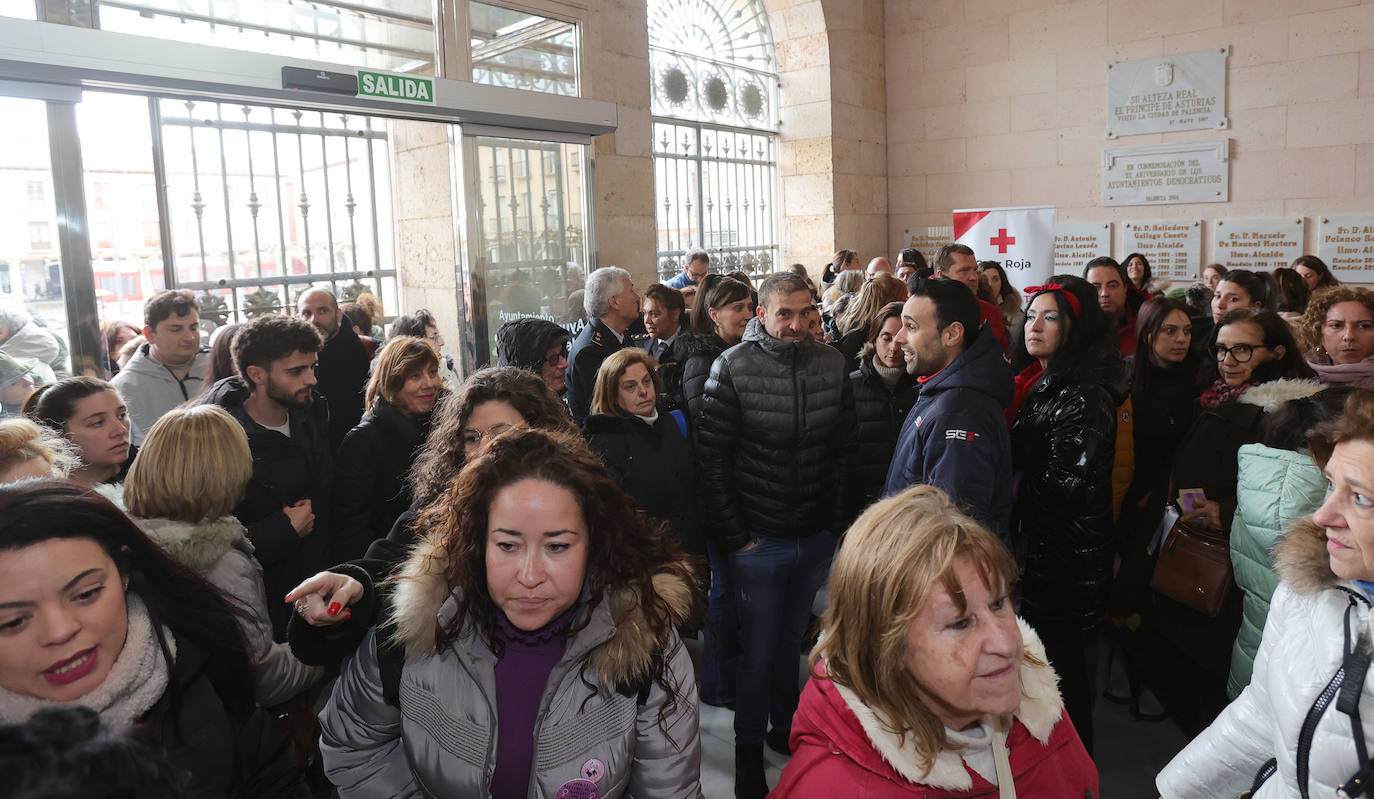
x: 1258, y: 244
x: 1077, y: 243
x: 1177, y: 92
x: 1163, y: 174
x: 1346, y: 244
x: 928, y: 239
x: 1172, y: 246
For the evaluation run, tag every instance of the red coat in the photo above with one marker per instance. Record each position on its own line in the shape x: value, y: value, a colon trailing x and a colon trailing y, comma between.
x: 833, y: 756
x: 987, y: 312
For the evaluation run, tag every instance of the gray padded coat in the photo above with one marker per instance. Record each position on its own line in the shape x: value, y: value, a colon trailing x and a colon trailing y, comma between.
x: 777, y: 434
x: 441, y: 741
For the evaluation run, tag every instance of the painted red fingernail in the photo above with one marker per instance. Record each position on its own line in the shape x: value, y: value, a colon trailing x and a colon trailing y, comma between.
x: 347, y: 614
x: 334, y: 608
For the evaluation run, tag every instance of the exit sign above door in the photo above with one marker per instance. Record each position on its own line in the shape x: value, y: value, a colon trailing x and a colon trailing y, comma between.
x: 411, y: 88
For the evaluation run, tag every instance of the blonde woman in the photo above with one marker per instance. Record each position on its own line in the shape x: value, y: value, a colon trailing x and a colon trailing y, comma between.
x: 924, y: 680
x: 181, y: 491
x: 29, y: 450
x: 876, y: 294
x: 644, y: 445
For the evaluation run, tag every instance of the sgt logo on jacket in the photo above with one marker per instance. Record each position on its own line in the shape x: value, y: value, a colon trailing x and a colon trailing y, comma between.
x: 960, y: 435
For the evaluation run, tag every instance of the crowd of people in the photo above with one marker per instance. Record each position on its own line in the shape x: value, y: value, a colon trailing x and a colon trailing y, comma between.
x: 293, y: 558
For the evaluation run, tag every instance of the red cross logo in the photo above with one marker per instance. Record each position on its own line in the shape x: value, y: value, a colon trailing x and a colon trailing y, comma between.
x: 1002, y: 241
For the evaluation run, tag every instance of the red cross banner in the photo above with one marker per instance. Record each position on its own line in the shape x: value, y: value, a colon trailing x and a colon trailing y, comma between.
x: 1021, y: 239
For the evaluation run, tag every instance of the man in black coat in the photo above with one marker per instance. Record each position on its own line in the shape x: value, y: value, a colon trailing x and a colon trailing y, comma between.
x: 776, y: 427
x: 286, y: 505
x: 613, y: 308
x: 343, y: 363
x: 955, y: 437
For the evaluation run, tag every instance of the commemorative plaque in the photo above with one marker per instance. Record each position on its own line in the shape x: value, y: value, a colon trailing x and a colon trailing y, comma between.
x: 1172, y: 246
x: 1158, y: 95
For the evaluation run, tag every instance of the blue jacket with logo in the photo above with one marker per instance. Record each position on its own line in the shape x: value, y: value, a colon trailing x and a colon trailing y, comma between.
x: 955, y: 437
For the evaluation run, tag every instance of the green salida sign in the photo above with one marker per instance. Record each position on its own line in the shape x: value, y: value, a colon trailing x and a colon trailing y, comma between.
x: 412, y: 88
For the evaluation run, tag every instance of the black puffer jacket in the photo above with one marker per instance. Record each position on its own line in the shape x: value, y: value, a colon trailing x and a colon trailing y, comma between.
x: 776, y: 426
x: 880, y: 412
x: 654, y: 465
x: 285, y: 471
x: 1064, y: 444
x: 686, y: 365
x: 371, y: 470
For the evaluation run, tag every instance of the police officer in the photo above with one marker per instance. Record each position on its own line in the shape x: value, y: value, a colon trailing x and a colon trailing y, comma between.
x: 613, y: 307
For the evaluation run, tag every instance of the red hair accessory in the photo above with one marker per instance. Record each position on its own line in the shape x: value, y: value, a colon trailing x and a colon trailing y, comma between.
x: 1068, y: 295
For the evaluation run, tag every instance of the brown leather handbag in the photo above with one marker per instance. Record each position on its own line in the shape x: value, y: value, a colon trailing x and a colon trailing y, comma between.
x: 1194, y: 568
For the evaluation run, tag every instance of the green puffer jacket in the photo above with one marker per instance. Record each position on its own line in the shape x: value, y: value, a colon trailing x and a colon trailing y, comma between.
x: 1275, y: 487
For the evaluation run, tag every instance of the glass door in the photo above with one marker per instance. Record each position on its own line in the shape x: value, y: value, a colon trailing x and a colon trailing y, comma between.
x: 530, y: 234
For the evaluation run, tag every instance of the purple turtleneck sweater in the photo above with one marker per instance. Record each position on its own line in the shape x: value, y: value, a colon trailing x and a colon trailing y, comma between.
x: 522, y: 672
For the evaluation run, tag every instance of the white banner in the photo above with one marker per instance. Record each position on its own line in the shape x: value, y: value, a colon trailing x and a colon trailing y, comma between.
x: 1020, y: 239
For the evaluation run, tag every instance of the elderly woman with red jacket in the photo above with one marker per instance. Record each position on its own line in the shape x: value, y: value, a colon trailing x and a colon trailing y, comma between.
x: 925, y: 683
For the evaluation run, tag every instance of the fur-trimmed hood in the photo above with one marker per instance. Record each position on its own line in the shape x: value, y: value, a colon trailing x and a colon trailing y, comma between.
x: 197, y: 546
x: 627, y: 654
x: 1301, y: 559
x: 1040, y: 710
x: 1272, y: 395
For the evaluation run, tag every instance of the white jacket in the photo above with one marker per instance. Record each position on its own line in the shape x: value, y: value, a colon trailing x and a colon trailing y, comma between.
x: 150, y: 389
x: 1299, y: 653
x: 220, y: 552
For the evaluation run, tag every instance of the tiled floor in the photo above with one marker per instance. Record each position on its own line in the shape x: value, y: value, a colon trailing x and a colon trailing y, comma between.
x: 1129, y: 752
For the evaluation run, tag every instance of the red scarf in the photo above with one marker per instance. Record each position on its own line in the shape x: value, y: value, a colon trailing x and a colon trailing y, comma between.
x: 1220, y: 392
x: 1024, y: 382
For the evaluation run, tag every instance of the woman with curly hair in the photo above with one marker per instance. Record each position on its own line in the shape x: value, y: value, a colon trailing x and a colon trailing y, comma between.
x: 1337, y: 332
x: 336, y: 607
x: 536, y: 621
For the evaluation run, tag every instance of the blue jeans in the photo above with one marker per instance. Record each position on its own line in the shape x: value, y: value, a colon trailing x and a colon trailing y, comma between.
x: 720, y: 649
x: 775, y: 584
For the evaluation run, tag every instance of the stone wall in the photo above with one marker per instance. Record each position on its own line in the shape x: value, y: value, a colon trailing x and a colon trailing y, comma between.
x: 1002, y: 102
x: 832, y: 158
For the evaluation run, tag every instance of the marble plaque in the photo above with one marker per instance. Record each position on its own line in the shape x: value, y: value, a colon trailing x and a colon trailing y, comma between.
x: 1163, y: 174
x: 1346, y: 245
x: 1172, y: 246
x: 928, y: 239
x: 1158, y: 95
x: 1077, y: 243
x: 1257, y: 244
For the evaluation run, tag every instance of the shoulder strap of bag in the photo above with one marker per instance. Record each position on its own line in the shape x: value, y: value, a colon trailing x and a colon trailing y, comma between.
x: 1353, y: 668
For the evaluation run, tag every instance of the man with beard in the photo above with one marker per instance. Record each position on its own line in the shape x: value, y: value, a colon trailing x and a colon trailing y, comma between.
x: 286, y: 504
x: 955, y: 437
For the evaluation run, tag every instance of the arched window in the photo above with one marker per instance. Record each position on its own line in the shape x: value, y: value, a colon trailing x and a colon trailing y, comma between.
x: 715, y: 118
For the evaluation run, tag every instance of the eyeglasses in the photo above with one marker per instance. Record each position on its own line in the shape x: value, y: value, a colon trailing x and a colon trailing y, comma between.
x: 436, y: 338
x: 561, y: 355
x: 474, y: 438
x: 1241, y: 352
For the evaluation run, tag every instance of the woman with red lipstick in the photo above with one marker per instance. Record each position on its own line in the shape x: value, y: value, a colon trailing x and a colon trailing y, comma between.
x: 1297, y: 729
x: 371, y: 470
x: 1063, y: 444
x: 535, y: 624
x: 92, y: 613
x: 924, y: 682
x: 1338, y: 332
x: 645, y: 446
x: 88, y: 412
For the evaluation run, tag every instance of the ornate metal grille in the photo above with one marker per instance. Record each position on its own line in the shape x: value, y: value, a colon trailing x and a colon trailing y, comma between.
x: 262, y: 202
x: 715, y: 114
